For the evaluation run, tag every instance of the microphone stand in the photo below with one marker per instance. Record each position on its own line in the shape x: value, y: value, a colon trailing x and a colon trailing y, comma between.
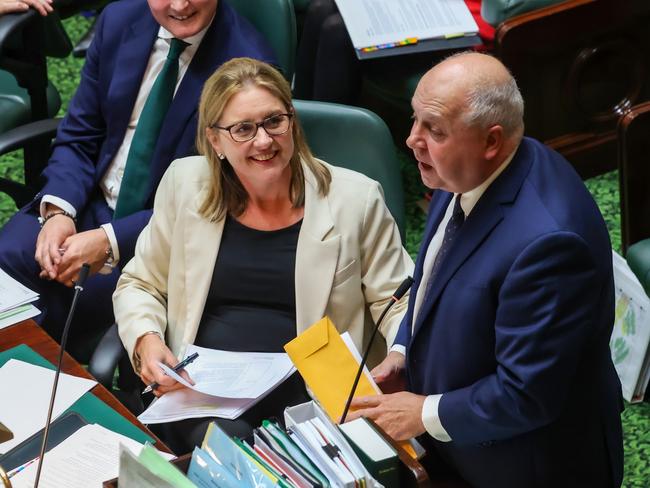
x: 399, y: 293
x: 78, y: 288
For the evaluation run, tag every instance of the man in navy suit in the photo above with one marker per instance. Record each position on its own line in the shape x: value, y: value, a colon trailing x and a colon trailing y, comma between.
x: 84, y: 174
x: 505, y: 344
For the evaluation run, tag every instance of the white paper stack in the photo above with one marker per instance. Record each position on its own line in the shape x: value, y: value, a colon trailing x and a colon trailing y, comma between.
x: 15, y: 301
x: 631, y: 333
x: 226, y: 385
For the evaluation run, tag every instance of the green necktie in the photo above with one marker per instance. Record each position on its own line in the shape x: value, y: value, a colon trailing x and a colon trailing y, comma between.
x: 133, y: 190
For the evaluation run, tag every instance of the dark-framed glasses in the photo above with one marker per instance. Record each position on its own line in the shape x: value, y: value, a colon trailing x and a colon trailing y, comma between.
x: 274, y: 125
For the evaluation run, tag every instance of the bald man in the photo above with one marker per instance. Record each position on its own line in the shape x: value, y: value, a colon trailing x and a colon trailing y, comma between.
x: 505, y: 345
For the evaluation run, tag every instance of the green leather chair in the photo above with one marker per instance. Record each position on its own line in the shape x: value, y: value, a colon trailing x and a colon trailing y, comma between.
x: 634, y: 178
x: 275, y: 20
x: 357, y: 139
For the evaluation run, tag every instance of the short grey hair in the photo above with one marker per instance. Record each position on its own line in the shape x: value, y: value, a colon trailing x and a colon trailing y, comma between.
x: 493, y: 101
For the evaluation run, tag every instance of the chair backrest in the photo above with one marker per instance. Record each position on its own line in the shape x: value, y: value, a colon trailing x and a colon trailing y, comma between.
x: 579, y: 64
x: 634, y: 174
x: 357, y: 139
x: 276, y: 21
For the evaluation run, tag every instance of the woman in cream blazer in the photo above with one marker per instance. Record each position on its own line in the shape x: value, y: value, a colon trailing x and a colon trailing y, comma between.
x: 256, y: 178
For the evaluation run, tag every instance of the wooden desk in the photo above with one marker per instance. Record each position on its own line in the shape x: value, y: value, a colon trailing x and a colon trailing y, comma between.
x: 30, y: 334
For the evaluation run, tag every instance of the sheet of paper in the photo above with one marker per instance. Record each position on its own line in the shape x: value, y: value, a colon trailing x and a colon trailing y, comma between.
x: 186, y: 404
x: 228, y: 374
x: 631, y: 332
x: 18, y: 314
x: 377, y: 22
x: 26, y: 398
x: 13, y: 293
x: 355, y: 353
x: 86, y: 459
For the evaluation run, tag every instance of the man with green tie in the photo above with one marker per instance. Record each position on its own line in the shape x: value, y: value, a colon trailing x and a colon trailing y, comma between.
x: 132, y: 114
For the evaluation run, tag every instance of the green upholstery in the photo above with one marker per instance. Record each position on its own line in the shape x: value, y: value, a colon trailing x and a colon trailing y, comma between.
x: 300, y: 5
x: 15, y: 104
x: 275, y: 20
x: 357, y: 139
x: 638, y: 258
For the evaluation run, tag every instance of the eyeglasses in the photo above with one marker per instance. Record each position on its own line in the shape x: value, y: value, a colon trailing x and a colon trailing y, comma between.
x: 275, y: 125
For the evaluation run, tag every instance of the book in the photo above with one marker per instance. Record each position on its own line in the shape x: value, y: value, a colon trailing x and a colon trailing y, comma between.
x: 377, y: 455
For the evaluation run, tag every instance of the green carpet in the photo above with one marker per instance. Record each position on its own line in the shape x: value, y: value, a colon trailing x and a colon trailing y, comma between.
x: 636, y: 418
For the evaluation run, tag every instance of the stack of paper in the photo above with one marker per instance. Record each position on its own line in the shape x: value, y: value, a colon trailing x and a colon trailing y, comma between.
x: 26, y: 398
x: 15, y: 301
x: 631, y: 333
x: 226, y: 385
x: 86, y: 459
x: 151, y: 469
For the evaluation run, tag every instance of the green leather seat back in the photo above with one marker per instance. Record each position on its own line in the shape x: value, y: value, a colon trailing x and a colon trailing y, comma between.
x: 638, y: 257
x: 15, y: 105
x: 276, y: 21
x: 357, y: 139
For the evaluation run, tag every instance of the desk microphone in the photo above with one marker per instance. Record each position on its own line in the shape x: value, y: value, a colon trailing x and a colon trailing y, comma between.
x: 78, y: 288
x: 399, y: 293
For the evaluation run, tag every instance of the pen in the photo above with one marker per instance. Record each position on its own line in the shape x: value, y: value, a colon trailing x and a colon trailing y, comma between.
x: 176, y: 369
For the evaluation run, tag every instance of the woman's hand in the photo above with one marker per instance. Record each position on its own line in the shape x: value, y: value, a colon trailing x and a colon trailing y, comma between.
x: 390, y: 374
x: 152, y: 350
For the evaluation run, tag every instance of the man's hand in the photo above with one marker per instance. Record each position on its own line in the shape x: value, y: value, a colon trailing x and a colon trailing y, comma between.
x: 390, y: 374
x: 398, y: 414
x: 49, y: 243
x: 13, y: 6
x: 153, y: 350
x: 84, y: 247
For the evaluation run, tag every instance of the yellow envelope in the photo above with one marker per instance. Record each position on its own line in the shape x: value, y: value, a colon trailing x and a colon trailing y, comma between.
x: 327, y: 366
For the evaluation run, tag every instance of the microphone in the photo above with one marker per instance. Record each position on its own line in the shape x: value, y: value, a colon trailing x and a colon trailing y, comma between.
x: 78, y: 288
x: 399, y: 293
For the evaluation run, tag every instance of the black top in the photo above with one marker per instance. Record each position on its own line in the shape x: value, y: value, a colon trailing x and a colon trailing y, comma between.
x: 251, y: 305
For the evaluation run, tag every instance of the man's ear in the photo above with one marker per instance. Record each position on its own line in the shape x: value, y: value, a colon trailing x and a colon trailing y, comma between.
x: 493, y: 142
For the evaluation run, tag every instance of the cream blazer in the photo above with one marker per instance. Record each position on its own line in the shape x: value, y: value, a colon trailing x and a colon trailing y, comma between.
x: 349, y: 260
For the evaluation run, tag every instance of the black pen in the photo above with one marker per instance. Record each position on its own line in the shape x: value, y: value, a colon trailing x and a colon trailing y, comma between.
x: 176, y: 369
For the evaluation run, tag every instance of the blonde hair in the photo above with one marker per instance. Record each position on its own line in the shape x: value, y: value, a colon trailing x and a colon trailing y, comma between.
x: 226, y: 194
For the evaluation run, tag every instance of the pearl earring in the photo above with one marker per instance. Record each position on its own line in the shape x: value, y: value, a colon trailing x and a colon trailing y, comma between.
x: 221, y: 156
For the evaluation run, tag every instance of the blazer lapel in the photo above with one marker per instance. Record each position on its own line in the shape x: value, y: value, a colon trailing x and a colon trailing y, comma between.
x: 316, y: 257
x: 486, y: 215
x: 200, y: 257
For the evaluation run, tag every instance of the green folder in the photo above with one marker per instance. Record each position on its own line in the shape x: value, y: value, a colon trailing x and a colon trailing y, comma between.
x: 91, y: 408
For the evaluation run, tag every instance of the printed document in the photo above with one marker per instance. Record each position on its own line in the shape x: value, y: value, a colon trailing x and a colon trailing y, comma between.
x: 226, y: 385
x: 86, y: 459
x: 26, y: 398
x: 15, y: 301
x: 378, y: 22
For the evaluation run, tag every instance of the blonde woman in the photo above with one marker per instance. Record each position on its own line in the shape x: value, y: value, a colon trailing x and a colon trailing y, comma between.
x: 253, y: 241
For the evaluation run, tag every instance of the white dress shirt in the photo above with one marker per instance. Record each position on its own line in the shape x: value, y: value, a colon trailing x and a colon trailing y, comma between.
x: 112, y: 179
x: 468, y: 201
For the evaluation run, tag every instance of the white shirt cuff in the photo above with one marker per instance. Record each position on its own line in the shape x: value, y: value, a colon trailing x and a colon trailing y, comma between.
x: 110, y: 233
x: 398, y: 348
x: 59, y: 202
x: 431, y: 420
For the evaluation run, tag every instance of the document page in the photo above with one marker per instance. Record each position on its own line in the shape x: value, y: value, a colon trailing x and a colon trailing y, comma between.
x: 228, y: 374
x: 12, y: 293
x: 377, y: 22
x: 26, y: 398
x: 86, y: 459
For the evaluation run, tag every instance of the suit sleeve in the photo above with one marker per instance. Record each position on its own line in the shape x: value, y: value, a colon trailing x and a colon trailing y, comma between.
x: 70, y: 173
x: 384, y: 262
x: 546, y: 314
x: 140, y: 298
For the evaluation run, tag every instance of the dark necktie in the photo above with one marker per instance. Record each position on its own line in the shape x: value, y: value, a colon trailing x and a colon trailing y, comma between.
x: 133, y: 190
x: 456, y: 220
